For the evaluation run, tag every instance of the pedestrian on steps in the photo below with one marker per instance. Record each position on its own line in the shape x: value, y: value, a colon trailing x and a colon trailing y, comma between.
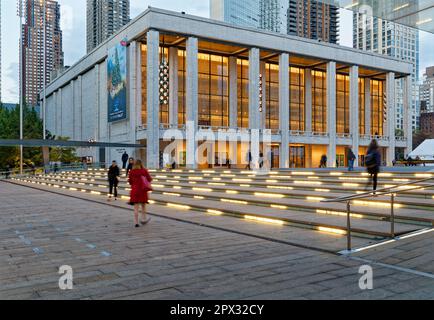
x: 140, y: 182
x: 373, y: 163
x: 113, y: 178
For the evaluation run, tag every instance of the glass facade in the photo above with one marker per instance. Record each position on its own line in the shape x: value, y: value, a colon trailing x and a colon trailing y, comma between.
x: 342, y: 104
x: 319, y: 102
x: 362, y: 112
x: 213, y: 90
x: 181, y: 87
x: 272, y: 96
x: 297, y: 156
x: 377, y: 105
x: 243, y: 93
x: 297, y: 99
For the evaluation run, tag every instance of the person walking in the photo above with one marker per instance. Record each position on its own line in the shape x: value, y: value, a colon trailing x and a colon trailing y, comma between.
x: 323, y: 162
x: 113, y: 178
x: 8, y: 171
x: 373, y: 163
x: 351, y: 158
x: 140, y: 182
x: 125, y: 157
x: 249, y: 161
x: 261, y: 160
x: 130, y: 166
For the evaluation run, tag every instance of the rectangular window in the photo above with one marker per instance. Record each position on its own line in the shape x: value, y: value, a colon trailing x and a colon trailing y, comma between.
x: 213, y: 90
x: 243, y: 93
x: 319, y: 102
x: 272, y: 95
x: 297, y: 96
x: 377, y: 107
x: 342, y: 104
x: 362, y: 112
x: 181, y: 86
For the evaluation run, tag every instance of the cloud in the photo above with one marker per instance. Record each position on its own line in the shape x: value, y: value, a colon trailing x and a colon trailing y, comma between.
x: 11, y: 84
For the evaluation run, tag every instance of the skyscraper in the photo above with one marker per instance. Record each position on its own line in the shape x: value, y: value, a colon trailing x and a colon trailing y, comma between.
x: 104, y: 18
x: 313, y: 20
x: 304, y: 18
x: 239, y: 12
x: 427, y: 91
x: 270, y: 15
x: 395, y: 40
x: 34, y: 49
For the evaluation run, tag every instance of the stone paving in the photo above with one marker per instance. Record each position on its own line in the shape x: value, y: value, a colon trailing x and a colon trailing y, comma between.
x: 171, y: 259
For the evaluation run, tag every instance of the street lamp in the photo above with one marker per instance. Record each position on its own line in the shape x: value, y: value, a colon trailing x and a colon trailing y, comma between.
x: 20, y: 13
x: 44, y: 70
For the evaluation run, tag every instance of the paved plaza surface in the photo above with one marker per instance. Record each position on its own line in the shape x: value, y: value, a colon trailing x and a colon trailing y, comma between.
x: 182, y: 256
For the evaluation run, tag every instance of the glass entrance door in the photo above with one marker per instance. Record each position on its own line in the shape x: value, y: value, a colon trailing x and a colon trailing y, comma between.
x: 297, y: 157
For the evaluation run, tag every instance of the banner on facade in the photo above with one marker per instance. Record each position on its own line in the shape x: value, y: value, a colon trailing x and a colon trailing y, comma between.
x: 117, y: 83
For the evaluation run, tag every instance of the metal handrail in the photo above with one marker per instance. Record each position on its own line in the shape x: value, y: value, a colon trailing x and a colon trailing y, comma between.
x: 385, y: 191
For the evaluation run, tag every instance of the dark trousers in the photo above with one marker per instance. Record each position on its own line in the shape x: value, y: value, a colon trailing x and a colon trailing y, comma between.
x: 113, y: 185
x: 124, y: 165
x: 374, y: 177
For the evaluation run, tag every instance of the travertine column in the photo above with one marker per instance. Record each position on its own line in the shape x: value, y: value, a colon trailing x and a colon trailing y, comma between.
x: 153, y: 103
x: 233, y: 93
x: 254, y: 69
x: 132, y: 105
x: 408, y: 128
x: 284, y: 109
x: 331, y: 113
x: 354, y: 111
x: 192, y: 100
x: 254, y: 114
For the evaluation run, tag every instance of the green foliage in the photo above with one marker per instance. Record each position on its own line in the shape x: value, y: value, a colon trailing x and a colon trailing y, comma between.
x: 65, y: 155
x: 10, y: 129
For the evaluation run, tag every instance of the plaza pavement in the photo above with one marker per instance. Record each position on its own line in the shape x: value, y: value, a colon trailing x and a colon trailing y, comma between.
x: 180, y: 255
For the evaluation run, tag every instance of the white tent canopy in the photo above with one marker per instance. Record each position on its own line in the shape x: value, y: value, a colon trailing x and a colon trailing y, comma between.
x: 425, y: 151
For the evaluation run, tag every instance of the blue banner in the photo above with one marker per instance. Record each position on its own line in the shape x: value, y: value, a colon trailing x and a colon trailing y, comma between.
x: 117, y: 83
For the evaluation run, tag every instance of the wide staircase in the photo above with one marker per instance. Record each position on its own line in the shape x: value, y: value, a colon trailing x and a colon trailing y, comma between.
x: 285, y: 198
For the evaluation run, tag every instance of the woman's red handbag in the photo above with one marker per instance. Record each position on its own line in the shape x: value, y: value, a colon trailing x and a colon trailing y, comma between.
x: 146, y: 184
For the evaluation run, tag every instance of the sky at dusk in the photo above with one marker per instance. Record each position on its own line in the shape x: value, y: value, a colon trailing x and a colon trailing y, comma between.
x: 73, y: 23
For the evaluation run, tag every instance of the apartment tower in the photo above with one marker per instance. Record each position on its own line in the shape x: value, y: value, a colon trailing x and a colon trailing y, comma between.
x: 104, y: 18
x: 34, y: 49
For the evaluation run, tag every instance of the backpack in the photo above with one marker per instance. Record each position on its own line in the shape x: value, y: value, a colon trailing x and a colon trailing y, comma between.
x: 370, y: 160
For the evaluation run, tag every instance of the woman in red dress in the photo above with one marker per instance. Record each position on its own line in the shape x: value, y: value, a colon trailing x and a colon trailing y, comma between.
x: 140, y: 182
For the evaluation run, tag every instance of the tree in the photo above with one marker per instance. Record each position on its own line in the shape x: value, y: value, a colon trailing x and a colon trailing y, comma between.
x: 63, y: 154
x: 10, y: 129
x: 419, y: 137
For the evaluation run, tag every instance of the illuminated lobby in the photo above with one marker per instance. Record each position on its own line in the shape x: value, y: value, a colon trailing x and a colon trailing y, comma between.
x: 314, y: 98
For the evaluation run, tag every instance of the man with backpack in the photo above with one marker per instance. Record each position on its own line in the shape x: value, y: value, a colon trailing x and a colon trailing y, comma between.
x: 373, y: 162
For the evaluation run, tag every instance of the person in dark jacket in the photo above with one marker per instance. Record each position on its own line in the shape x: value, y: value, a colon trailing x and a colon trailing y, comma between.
x: 373, y: 162
x: 125, y: 158
x: 351, y: 159
x: 113, y: 178
x: 130, y: 165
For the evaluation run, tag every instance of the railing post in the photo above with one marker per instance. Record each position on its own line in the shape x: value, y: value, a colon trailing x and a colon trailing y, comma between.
x: 348, y: 225
x: 392, y: 215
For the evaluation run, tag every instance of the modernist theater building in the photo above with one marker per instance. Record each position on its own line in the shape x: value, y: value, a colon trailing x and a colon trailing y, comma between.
x: 170, y: 69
